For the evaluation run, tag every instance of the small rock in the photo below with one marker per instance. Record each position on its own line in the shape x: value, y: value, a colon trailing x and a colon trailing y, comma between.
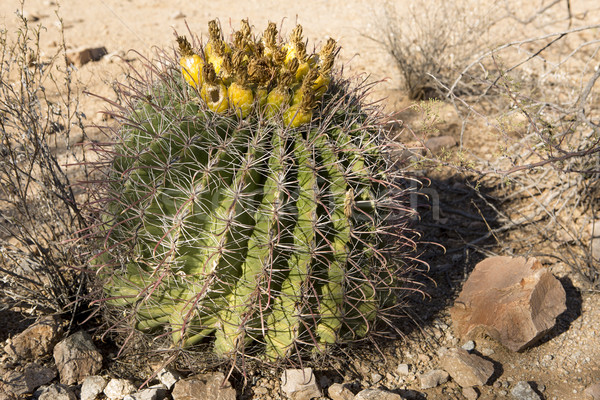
x: 593, y: 391
x: 152, y: 393
x: 84, y: 55
x: 30, y: 17
x: 92, y: 386
x: 338, y: 391
x: 596, y: 248
x: 376, y: 394
x: 32, y: 377
x: 212, y: 386
x: 37, y: 340
x: 437, y: 144
x: 76, y: 357
x: 55, y: 392
x: 178, y: 15
x: 470, y: 393
x: 375, y: 377
x: 300, y: 384
x: 467, y: 369
x: 433, y: 378
x: 486, y: 351
x: 469, y: 346
x: 513, y: 300
x: 523, y: 391
x: 403, y: 369
x: 168, y: 377
x: 116, y: 389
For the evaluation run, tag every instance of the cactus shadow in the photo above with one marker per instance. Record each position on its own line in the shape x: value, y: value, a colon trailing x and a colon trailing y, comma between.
x: 456, y: 220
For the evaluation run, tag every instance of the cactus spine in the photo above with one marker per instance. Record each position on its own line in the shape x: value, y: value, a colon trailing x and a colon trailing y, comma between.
x: 248, y: 202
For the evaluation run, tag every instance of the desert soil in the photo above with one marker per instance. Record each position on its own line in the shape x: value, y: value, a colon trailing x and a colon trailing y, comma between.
x: 565, y: 362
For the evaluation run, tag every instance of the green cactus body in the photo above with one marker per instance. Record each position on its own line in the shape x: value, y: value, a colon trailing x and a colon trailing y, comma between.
x: 243, y: 231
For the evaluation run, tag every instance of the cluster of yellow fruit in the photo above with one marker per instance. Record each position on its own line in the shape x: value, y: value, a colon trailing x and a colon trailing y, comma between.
x: 264, y: 73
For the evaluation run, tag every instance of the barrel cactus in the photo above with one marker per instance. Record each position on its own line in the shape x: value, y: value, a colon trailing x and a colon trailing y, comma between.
x: 248, y: 202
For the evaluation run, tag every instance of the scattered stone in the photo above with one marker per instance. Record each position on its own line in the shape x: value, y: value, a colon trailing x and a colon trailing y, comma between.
x: 168, y: 377
x: 470, y: 393
x: 178, y: 15
x: 467, y: 369
x: 523, y: 391
x: 593, y: 391
x: 433, y: 378
x: 513, y: 300
x: 92, y: 386
x: 338, y: 391
x: 55, y: 392
x: 116, y: 389
x: 596, y: 248
x: 469, y: 346
x: 437, y: 144
x: 84, y: 55
x: 300, y: 384
x: 76, y: 357
x: 212, y: 386
x: 37, y: 340
x: 30, y: 17
x: 377, y: 394
x: 375, y: 377
x: 152, y: 393
x: 486, y: 351
x: 32, y: 377
x: 403, y: 369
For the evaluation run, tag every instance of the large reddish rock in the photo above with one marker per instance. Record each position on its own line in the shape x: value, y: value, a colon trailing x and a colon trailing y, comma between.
x: 513, y: 300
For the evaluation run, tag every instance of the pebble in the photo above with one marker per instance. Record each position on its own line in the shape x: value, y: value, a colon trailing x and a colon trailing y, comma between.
x: 77, y: 357
x: 403, y: 369
x: 300, y: 384
x: 116, y: 389
x: 55, y: 392
x: 92, y: 386
x: 433, y: 378
x: 470, y: 393
x: 523, y: 391
x: 469, y: 346
x: 338, y: 391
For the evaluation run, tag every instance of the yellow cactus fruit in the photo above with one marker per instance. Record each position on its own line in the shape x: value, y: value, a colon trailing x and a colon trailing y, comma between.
x: 240, y: 95
x: 216, y: 48
x: 191, y: 64
x: 260, y: 75
x: 321, y: 85
x: 214, y: 92
x: 303, y: 62
x: 307, y: 86
x: 297, y: 115
x: 279, y: 97
x: 326, y: 58
x: 240, y: 98
x: 292, y: 47
x: 301, y: 113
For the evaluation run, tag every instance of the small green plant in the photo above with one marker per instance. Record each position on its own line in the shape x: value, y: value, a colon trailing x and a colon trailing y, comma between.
x: 264, y: 219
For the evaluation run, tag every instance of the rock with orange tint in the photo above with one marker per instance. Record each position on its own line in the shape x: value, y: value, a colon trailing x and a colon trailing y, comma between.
x: 513, y: 300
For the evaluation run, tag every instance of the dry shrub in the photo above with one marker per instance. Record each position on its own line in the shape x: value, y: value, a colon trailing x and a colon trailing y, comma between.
x: 39, y: 122
x: 537, y: 101
x: 430, y: 38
